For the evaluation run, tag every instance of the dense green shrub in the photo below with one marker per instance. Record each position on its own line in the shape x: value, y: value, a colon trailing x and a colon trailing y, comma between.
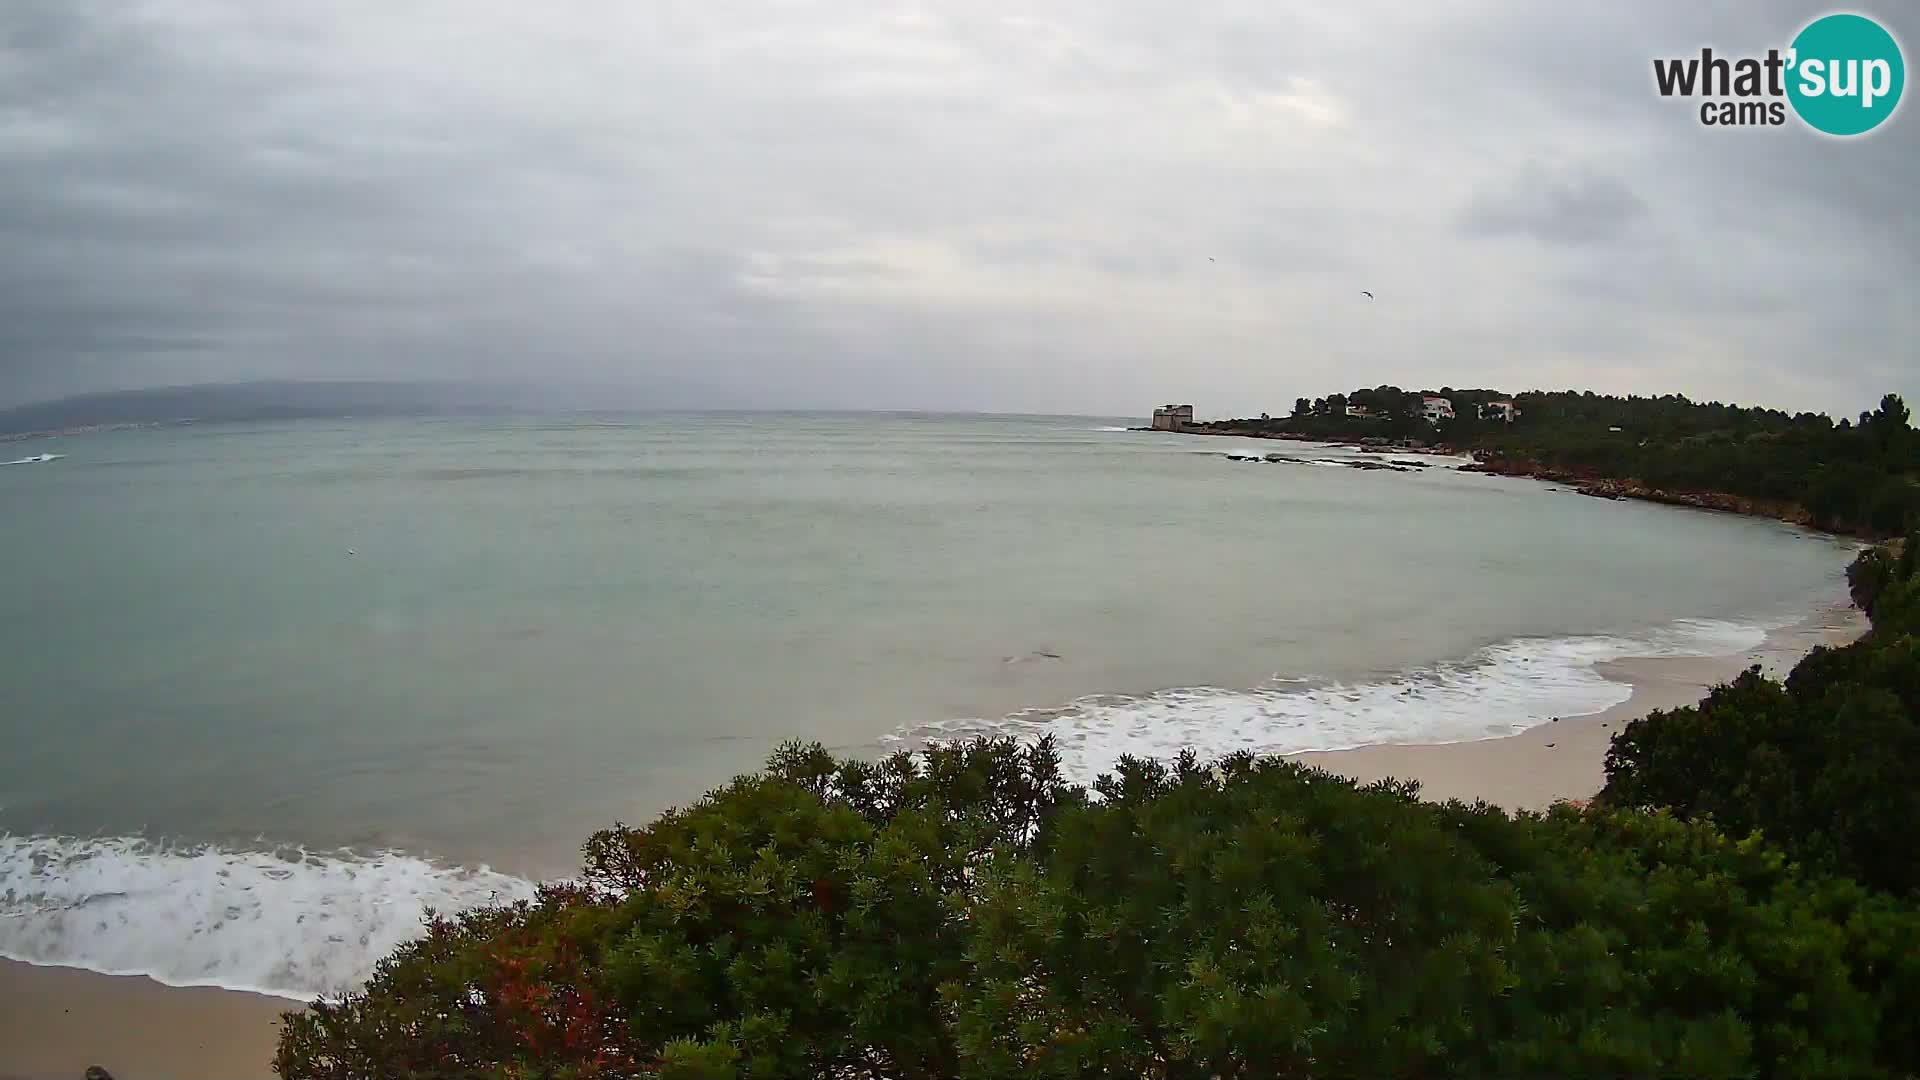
x: 1822, y: 764
x: 793, y: 923
x: 1884, y: 585
x: 1869, y: 574
x: 966, y: 914
x: 1260, y: 919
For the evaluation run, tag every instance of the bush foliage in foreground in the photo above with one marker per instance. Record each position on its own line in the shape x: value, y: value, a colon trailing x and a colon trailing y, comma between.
x: 1823, y: 764
x: 966, y: 913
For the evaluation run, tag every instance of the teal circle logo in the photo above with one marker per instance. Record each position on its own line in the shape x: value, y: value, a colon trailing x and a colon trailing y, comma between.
x: 1845, y: 74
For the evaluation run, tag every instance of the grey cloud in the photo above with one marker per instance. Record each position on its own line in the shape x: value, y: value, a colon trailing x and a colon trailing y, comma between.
x: 984, y: 205
x: 1568, y: 206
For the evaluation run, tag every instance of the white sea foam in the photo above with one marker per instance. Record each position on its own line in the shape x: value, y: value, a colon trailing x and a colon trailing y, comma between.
x: 1501, y: 690
x: 1111, y: 429
x: 36, y: 459
x: 289, y: 923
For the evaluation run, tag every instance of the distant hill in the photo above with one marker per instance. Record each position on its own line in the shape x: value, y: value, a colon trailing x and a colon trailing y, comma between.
x: 291, y: 400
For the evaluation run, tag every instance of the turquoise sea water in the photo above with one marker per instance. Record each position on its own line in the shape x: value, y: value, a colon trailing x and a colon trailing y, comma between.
x: 266, y: 691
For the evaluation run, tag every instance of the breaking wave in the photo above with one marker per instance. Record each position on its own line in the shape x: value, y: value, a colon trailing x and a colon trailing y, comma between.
x: 290, y: 923
x: 1501, y: 690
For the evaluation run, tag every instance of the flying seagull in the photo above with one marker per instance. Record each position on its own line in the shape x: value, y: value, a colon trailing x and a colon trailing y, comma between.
x: 1366, y: 294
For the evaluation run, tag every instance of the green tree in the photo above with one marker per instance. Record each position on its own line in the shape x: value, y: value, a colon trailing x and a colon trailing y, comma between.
x: 1893, y: 505
x: 798, y: 923
x: 965, y: 914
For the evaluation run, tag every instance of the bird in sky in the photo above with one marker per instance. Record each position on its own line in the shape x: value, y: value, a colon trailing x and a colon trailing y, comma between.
x: 1366, y: 294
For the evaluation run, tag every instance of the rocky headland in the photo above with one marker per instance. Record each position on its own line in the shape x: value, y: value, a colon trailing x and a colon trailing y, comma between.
x: 1591, y: 482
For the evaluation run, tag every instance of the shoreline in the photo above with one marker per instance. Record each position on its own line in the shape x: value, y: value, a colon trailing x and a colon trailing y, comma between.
x: 57, y: 1021
x: 1565, y: 759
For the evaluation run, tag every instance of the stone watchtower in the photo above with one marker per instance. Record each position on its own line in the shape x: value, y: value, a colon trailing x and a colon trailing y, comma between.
x: 1172, y: 417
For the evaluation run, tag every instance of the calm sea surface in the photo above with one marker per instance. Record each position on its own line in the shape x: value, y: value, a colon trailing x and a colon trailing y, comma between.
x: 267, y: 690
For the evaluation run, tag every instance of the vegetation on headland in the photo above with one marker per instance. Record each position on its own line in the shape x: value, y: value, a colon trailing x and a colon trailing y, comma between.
x: 967, y: 913
x: 1856, y: 476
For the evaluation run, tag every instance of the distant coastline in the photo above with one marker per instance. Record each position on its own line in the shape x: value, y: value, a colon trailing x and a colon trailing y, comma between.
x: 1583, y: 481
x: 1588, y: 482
x: 84, y: 429
x: 1851, y: 477
x: 260, y: 401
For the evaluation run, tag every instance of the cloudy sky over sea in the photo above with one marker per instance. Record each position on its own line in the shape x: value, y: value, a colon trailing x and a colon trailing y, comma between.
x: 1087, y: 206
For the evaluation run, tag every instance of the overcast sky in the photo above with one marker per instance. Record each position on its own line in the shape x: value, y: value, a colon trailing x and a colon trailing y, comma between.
x: 1087, y: 206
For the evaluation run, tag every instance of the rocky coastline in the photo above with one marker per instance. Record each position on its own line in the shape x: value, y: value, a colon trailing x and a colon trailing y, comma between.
x: 1584, y: 481
x: 1367, y: 444
x: 1592, y: 483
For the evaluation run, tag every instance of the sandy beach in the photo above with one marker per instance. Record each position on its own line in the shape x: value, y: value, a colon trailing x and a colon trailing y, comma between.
x: 54, y: 1022
x: 1565, y: 759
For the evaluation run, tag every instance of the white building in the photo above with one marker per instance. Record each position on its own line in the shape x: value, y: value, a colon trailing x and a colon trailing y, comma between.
x: 1499, y: 410
x: 1436, y: 409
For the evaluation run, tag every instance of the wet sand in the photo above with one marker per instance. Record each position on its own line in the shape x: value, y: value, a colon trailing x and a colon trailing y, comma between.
x: 54, y: 1022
